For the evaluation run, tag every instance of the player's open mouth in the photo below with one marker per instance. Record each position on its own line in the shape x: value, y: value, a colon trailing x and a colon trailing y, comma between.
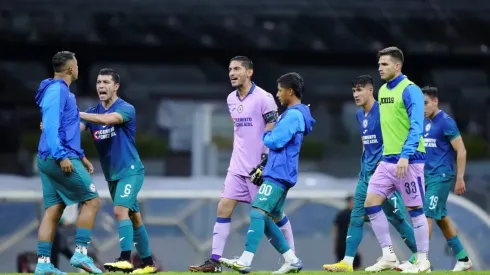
x: 234, y: 78
x: 102, y: 93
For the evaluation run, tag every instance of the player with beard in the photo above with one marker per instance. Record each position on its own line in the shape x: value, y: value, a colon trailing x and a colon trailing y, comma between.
x: 251, y: 109
x: 284, y: 139
x: 112, y: 124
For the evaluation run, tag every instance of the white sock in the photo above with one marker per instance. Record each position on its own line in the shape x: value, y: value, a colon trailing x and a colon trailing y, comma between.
x: 388, y: 252
x: 421, y: 257
x: 44, y: 260
x: 81, y: 249
x: 349, y: 260
x: 289, y: 256
x: 247, y: 258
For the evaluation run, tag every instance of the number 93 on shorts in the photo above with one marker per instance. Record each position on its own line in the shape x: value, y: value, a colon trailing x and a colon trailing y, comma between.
x: 270, y: 198
x: 124, y: 192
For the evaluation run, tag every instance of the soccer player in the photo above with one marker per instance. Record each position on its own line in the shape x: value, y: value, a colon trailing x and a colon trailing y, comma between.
x: 443, y: 143
x: 372, y: 141
x: 63, y: 167
x: 112, y: 124
x: 401, y: 108
x: 251, y: 109
x: 284, y: 141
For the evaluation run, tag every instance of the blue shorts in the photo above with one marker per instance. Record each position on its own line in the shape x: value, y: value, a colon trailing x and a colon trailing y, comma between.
x: 437, y: 191
x: 270, y: 198
x: 67, y: 188
x: 124, y: 191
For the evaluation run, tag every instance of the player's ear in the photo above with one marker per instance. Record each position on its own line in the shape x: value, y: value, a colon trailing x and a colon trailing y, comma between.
x: 399, y: 66
x: 250, y: 72
x: 116, y: 86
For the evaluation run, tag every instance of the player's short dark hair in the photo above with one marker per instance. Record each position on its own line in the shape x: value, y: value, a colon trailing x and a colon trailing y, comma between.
x: 60, y: 59
x: 246, y: 62
x: 394, y: 52
x: 292, y: 81
x: 362, y: 81
x: 430, y: 91
x: 115, y: 76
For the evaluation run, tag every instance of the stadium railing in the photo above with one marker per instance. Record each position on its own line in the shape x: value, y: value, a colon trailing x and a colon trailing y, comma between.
x: 180, y: 212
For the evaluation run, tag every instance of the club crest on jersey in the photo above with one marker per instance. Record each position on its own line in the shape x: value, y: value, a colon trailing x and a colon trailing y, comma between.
x: 427, y: 127
x: 240, y: 108
x: 92, y: 187
x: 365, y: 123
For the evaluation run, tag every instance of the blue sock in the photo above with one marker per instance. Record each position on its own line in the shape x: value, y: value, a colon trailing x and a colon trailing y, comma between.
x: 276, y: 237
x: 126, y: 237
x: 44, y: 248
x: 83, y: 237
x: 406, y: 232
x: 354, y: 236
x: 142, y: 242
x: 457, y: 248
x: 256, y: 230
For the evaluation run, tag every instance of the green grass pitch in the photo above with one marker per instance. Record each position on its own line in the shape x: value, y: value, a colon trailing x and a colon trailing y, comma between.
x: 307, y: 272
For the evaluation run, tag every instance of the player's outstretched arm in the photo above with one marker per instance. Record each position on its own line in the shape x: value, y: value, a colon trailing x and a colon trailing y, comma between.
x: 82, y: 126
x: 104, y: 119
x: 284, y: 131
x: 51, y: 112
x: 413, y: 98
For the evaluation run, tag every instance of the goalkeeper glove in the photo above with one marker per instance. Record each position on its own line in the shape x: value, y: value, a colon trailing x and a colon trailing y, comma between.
x: 256, y: 173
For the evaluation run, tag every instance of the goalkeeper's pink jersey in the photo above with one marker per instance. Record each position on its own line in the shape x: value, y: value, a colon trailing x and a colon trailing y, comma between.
x: 249, y: 124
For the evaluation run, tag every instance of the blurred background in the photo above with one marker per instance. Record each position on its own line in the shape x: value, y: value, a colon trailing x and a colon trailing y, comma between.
x: 173, y: 58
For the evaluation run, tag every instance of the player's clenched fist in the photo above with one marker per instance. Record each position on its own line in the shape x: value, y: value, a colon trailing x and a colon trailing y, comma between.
x: 66, y: 165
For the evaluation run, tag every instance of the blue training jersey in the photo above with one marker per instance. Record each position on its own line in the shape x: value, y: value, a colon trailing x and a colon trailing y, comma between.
x: 370, y: 128
x: 116, y: 143
x: 60, y: 137
x: 438, y: 134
